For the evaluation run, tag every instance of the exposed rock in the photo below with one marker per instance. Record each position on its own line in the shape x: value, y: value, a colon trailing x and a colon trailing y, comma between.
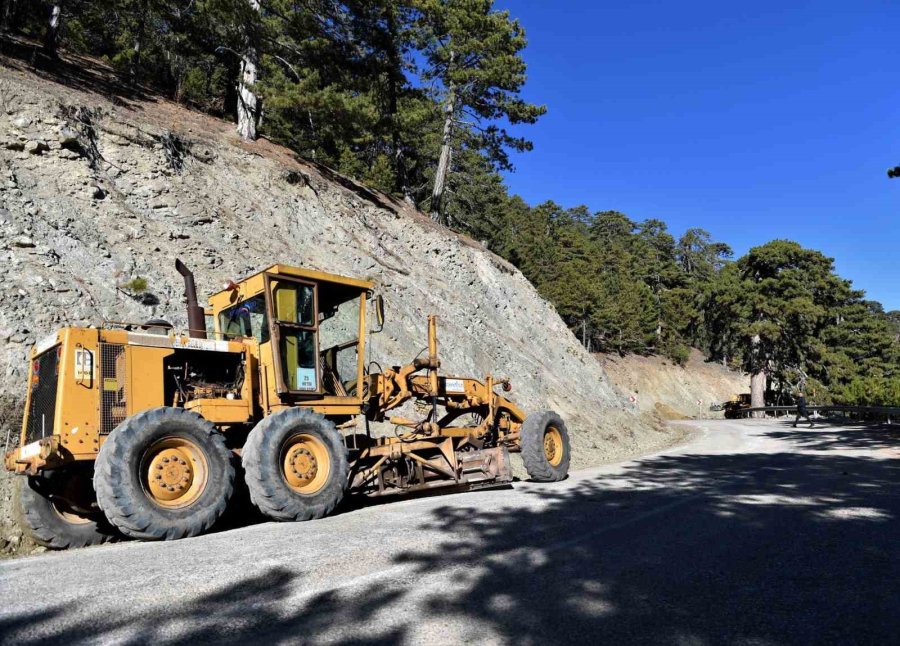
x: 36, y: 146
x: 23, y: 242
x: 67, y: 137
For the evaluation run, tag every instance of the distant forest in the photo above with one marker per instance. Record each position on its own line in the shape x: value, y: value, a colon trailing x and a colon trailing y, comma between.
x: 417, y: 99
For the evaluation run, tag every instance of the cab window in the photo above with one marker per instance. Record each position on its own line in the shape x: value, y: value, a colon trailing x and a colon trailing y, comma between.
x: 246, y: 319
x: 298, y: 356
x: 294, y: 304
x: 294, y: 308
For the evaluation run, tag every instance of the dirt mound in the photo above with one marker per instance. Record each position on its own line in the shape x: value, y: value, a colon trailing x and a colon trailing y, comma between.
x: 656, y: 385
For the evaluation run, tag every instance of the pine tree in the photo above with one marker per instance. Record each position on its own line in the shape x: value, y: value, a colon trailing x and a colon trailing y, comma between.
x: 473, y: 55
x: 794, y: 321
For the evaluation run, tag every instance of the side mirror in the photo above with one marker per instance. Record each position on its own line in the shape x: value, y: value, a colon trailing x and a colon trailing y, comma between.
x: 379, y: 311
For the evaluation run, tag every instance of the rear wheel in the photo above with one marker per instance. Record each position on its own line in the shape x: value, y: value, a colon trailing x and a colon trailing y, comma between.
x: 545, y: 446
x: 55, y: 510
x: 164, y: 474
x: 295, y: 465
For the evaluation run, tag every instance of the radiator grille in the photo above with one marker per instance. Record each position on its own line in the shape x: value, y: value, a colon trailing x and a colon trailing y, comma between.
x: 42, y: 409
x: 113, y: 387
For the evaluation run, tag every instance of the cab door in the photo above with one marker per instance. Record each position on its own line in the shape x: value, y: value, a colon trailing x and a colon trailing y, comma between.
x: 293, y: 323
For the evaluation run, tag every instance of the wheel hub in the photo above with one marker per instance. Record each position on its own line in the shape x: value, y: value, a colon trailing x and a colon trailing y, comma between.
x: 174, y: 471
x: 550, y: 448
x: 553, y: 446
x: 171, y: 473
x: 305, y: 463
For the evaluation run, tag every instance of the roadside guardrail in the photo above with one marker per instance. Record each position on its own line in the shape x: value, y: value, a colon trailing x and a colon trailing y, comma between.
x: 861, y: 413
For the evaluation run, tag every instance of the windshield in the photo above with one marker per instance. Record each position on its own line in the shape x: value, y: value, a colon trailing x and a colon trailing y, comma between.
x: 246, y: 319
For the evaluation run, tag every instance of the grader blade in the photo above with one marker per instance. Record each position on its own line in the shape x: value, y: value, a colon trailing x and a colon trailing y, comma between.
x: 487, y: 467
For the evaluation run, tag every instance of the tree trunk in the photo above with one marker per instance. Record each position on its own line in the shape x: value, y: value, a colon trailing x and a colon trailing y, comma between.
x: 757, y: 377
x: 230, y: 99
x: 658, y: 294
x: 758, y: 391
x: 134, y: 65
x: 440, y: 177
x: 7, y: 12
x: 135, y: 61
x: 247, y: 101
x: 52, y: 34
x: 395, y: 80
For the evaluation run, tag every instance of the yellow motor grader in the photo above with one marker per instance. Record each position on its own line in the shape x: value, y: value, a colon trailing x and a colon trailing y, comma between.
x: 139, y: 430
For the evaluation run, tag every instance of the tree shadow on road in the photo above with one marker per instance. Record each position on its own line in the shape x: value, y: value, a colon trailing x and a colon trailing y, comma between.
x: 838, y: 434
x: 759, y: 548
x: 241, y: 613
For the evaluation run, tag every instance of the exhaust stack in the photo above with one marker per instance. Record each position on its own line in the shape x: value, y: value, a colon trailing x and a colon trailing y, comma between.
x: 195, y: 314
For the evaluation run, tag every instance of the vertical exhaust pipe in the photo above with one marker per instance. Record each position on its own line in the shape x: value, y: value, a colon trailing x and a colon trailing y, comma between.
x: 195, y: 314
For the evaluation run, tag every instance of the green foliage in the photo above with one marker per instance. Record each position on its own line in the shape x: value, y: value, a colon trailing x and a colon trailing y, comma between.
x: 473, y: 54
x: 136, y: 285
x: 869, y: 391
x: 617, y: 283
x: 784, y: 311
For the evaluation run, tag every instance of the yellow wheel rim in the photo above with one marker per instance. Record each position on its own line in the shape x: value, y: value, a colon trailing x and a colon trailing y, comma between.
x: 174, y: 472
x: 65, y: 502
x: 305, y: 463
x: 62, y: 510
x: 553, y: 446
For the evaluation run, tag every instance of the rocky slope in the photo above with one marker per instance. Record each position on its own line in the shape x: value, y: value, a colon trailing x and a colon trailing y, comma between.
x: 657, y: 386
x: 99, y: 187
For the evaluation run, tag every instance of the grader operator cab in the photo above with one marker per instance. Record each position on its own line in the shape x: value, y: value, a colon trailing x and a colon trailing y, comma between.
x: 139, y: 431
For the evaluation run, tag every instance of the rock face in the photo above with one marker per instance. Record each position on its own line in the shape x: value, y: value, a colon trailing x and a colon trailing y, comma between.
x: 656, y: 385
x: 94, y: 194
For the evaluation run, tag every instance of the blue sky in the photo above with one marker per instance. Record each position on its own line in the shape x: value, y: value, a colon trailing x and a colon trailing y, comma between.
x: 751, y: 120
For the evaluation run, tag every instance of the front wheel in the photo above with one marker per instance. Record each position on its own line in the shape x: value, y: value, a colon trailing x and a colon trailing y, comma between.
x: 545, y: 446
x: 164, y: 473
x: 54, y: 510
x: 295, y: 465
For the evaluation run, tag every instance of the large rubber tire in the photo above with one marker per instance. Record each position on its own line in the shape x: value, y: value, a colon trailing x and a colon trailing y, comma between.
x: 49, y: 521
x: 264, y: 471
x: 533, y: 434
x: 123, y: 492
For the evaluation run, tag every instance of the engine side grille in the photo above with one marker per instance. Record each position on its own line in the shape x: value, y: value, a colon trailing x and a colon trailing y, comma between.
x: 113, y: 387
x: 42, y: 409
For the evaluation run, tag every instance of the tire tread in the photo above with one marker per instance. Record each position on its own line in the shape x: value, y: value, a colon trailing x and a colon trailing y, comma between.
x: 34, y: 514
x: 114, y: 494
x: 532, y: 443
x: 264, y: 481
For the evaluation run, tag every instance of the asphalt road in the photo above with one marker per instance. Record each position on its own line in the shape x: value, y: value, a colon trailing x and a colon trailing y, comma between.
x: 753, y: 533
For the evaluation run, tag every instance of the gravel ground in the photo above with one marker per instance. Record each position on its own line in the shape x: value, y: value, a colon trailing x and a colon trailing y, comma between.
x: 752, y: 533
